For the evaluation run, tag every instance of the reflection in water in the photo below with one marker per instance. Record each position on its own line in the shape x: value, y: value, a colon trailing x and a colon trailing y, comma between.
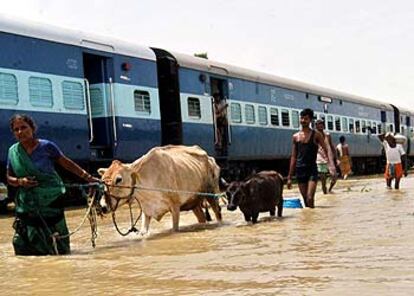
x: 358, y: 240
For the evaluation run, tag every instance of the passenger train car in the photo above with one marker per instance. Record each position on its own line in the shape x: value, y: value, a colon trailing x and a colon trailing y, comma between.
x: 100, y: 99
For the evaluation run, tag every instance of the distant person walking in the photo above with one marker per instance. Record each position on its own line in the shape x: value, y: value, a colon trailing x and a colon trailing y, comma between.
x: 395, y: 155
x: 305, y: 144
x: 344, y: 158
x: 326, y: 162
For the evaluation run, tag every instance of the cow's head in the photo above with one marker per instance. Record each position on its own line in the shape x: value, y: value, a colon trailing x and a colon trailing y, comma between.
x: 235, y: 195
x: 119, y: 180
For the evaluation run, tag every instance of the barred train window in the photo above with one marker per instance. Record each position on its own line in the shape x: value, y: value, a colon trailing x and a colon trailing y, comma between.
x: 345, y: 124
x: 337, y: 124
x: 73, y: 95
x: 236, y: 115
x: 379, y: 126
x: 357, y: 126
x: 142, y: 101
x: 8, y: 89
x: 40, y: 92
x: 274, y: 116
x: 369, y: 127
x: 194, y: 108
x: 97, y: 104
x: 295, y: 119
x: 330, y: 122
x: 249, y: 112
x: 351, y: 126
x: 262, y: 115
x: 374, y: 128
x: 322, y: 116
x: 364, y: 126
x: 285, y: 117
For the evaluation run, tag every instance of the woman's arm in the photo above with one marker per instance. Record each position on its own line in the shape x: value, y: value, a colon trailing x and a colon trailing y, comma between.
x: 72, y: 167
x: 14, y: 181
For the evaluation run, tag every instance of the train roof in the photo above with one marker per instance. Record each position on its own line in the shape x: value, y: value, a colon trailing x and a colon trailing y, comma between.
x: 201, y: 64
x: 27, y: 28
x: 405, y: 111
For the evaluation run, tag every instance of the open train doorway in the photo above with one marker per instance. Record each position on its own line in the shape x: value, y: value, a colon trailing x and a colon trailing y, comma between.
x: 98, y: 73
x: 219, y: 92
x: 169, y: 98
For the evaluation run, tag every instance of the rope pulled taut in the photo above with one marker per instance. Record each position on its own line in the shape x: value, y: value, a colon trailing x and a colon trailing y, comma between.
x: 158, y: 189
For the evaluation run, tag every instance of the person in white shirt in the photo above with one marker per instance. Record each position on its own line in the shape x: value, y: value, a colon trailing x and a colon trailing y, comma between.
x: 394, y: 153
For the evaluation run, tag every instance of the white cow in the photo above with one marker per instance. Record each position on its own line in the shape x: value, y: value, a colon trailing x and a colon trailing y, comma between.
x: 176, y: 168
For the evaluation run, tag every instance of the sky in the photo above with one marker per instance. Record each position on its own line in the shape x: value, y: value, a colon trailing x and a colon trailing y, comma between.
x: 363, y: 47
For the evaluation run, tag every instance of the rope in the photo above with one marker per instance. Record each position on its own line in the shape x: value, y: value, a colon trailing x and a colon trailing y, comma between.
x: 158, y: 189
x: 133, y: 224
x: 91, y: 214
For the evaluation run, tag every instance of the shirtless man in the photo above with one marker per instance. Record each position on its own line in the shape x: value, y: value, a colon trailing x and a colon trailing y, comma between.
x: 305, y: 144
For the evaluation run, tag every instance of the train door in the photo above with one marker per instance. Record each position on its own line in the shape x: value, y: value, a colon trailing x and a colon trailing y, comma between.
x: 169, y: 97
x: 222, y: 133
x: 101, y: 105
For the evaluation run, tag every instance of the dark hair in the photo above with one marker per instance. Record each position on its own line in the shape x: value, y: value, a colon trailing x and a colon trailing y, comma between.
x: 341, y: 139
x: 307, y: 112
x: 25, y: 118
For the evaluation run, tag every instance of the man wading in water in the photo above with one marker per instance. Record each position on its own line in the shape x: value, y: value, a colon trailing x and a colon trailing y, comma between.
x: 305, y: 144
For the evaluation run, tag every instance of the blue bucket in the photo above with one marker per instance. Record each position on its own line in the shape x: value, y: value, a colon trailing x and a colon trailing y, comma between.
x: 292, y: 203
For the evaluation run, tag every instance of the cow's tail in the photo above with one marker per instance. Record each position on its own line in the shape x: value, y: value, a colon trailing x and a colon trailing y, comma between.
x: 281, y: 184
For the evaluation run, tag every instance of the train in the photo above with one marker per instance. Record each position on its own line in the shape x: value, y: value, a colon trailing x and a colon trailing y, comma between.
x: 100, y: 98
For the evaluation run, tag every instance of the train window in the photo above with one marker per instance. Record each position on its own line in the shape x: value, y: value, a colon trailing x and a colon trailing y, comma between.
x: 390, y: 128
x: 40, y: 92
x: 412, y: 132
x: 262, y: 112
x: 295, y: 119
x: 357, y: 126
x: 274, y: 116
x: 194, y: 108
x: 364, y: 126
x: 285, y: 117
x: 97, y: 104
x: 344, y: 124
x: 249, y: 113
x: 8, y: 89
x: 142, y: 102
x: 379, y: 127
x: 337, y: 123
x: 374, y: 128
x: 73, y: 95
x: 402, y: 130
x: 321, y: 116
x: 351, y: 126
x: 330, y: 122
x: 236, y: 115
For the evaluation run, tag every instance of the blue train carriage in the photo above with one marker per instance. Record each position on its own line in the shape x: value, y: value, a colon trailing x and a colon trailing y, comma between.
x: 406, y: 120
x: 264, y: 113
x: 96, y: 97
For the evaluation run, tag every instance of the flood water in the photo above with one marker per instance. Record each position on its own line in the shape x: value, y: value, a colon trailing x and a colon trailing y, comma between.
x: 357, y: 241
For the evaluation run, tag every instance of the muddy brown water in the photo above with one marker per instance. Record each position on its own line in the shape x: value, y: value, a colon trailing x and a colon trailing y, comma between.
x: 357, y: 241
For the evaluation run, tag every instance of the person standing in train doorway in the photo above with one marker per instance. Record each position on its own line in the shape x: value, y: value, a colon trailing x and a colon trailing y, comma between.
x: 326, y: 162
x: 305, y: 144
x: 395, y: 155
x: 220, y: 113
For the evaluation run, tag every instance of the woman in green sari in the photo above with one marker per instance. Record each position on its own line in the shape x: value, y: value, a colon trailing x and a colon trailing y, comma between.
x: 31, y: 168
